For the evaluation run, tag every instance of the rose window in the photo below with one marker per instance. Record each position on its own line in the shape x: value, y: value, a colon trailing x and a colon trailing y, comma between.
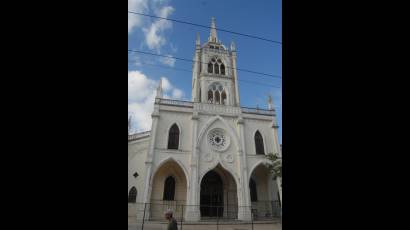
x: 218, y: 140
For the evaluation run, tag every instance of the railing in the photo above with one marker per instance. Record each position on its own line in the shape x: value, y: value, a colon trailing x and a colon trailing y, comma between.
x: 221, y: 51
x: 163, y: 101
x: 226, y: 75
x: 151, y: 215
x: 217, y: 109
x: 262, y: 210
x: 158, y: 207
x: 258, y: 111
x: 214, y: 108
x: 137, y: 136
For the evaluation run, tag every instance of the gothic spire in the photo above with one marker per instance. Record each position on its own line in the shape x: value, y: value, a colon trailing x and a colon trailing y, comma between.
x: 212, y: 36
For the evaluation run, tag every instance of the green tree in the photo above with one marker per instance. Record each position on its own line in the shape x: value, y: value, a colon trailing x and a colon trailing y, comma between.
x: 276, y: 165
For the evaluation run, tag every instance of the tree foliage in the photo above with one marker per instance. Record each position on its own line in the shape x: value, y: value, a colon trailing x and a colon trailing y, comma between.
x: 276, y: 165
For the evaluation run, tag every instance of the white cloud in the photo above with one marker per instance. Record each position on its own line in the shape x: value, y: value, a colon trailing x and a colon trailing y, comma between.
x: 171, y: 91
x: 169, y: 61
x: 139, y: 6
x: 139, y: 86
x: 177, y: 93
x: 166, y: 85
x: 164, y: 12
x: 141, y: 97
x: 154, y: 36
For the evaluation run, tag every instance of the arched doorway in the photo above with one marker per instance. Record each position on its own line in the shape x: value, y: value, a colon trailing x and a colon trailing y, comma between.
x: 218, y: 195
x: 212, y: 195
x: 263, y: 193
x: 169, y: 189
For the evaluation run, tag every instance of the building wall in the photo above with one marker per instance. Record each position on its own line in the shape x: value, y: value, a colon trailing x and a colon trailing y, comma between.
x: 264, y: 127
x: 209, y: 158
x: 166, y: 120
x: 137, y: 152
x: 169, y: 169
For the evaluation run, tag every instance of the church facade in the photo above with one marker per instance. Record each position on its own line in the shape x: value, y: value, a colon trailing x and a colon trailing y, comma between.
x: 208, y: 154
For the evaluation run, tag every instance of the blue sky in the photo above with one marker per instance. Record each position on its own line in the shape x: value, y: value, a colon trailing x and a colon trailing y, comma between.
x: 261, y: 18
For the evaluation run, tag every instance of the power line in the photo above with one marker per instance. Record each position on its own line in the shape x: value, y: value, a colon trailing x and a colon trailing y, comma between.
x: 258, y: 83
x: 204, y: 26
x: 189, y: 60
x: 189, y: 71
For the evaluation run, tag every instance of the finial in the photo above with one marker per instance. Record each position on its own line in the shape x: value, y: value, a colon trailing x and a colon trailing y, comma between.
x: 270, y: 102
x: 198, y: 39
x: 233, y: 46
x: 159, y: 89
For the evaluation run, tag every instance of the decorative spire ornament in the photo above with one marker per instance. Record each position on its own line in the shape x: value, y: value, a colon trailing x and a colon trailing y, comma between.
x: 233, y: 46
x: 270, y: 102
x: 198, y: 39
x: 159, y: 89
x: 212, y: 36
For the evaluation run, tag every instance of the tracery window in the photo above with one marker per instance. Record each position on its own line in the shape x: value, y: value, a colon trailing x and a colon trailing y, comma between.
x: 216, y: 66
x: 223, y: 98
x: 217, y: 94
x: 222, y: 69
x: 210, y: 68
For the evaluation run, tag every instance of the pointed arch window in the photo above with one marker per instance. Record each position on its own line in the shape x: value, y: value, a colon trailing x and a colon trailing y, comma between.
x: 259, y: 143
x: 223, y: 98
x: 252, y: 188
x: 210, y: 67
x: 217, y: 97
x: 217, y: 94
x: 169, y: 188
x: 173, y: 138
x: 216, y: 67
x: 210, y: 96
x: 222, y: 69
x: 132, y: 195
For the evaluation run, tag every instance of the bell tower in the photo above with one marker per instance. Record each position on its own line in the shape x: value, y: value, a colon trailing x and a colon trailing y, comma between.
x: 214, y: 76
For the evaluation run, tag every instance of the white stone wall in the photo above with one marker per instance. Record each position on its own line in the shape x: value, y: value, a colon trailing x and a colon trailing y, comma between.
x: 165, y: 121
x: 137, y: 152
x: 210, y: 158
x: 264, y: 127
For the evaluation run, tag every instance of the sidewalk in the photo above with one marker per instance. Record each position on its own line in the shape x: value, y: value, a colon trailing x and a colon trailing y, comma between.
x: 208, y: 226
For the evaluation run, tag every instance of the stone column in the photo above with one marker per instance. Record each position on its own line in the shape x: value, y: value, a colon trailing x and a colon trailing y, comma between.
x: 195, y: 74
x: 243, y: 199
x: 235, y: 77
x: 277, y: 150
x: 148, y: 166
x: 204, y: 92
x: 192, y: 212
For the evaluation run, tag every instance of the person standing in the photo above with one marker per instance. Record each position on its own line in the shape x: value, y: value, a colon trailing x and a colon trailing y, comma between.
x: 172, y: 223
